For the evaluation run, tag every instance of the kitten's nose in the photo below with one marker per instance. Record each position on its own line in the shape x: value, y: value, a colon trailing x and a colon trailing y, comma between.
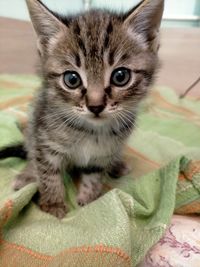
x: 96, y: 109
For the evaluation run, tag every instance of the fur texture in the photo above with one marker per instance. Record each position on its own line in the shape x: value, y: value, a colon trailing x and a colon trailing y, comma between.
x: 86, y: 128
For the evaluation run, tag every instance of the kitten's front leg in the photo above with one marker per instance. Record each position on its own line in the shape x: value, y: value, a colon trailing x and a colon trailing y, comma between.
x: 90, y: 188
x: 118, y: 169
x: 51, y: 187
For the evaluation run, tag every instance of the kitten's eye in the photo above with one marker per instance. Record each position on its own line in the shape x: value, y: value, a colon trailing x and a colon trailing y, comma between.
x: 120, y: 77
x: 72, y: 79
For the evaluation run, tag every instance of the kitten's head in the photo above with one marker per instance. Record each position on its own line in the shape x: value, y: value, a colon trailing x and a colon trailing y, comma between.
x: 99, y: 64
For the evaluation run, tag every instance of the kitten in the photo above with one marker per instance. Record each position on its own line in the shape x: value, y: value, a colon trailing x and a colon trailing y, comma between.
x: 96, y: 67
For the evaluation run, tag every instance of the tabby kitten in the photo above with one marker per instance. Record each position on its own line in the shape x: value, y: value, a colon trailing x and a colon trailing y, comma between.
x: 96, y: 67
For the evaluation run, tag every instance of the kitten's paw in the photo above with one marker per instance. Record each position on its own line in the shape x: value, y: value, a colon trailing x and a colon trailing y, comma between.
x: 90, y: 189
x: 83, y: 199
x: 119, y: 169
x: 22, y: 180
x: 58, y: 210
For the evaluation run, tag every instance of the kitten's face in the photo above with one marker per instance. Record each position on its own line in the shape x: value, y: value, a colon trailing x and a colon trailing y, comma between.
x: 98, y: 65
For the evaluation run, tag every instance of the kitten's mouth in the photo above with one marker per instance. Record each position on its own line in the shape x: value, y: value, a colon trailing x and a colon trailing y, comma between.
x: 97, y: 119
x: 97, y: 116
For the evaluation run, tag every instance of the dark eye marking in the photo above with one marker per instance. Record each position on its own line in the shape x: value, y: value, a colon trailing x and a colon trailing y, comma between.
x: 77, y: 60
x: 134, y: 85
x: 111, y: 57
x: 109, y: 30
x: 83, y: 91
x: 108, y: 90
x: 148, y: 75
x: 143, y: 72
x: 124, y: 57
x: 76, y: 28
x: 53, y: 75
x: 82, y: 46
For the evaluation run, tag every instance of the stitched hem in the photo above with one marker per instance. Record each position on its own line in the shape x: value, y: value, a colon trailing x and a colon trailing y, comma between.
x: 83, y: 249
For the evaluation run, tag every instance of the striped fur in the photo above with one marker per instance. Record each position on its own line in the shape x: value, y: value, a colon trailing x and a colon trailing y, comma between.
x: 62, y: 132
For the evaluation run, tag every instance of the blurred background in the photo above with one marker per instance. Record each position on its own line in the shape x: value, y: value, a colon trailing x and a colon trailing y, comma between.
x: 180, y: 49
x: 184, y: 13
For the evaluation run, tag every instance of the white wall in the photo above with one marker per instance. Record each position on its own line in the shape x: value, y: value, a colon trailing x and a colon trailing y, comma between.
x: 13, y: 9
x: 173, y: 8
x: 17, y: 8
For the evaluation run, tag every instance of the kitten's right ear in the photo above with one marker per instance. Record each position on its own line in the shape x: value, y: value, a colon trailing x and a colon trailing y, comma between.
x: 45, y: 22
x: 145, y: 19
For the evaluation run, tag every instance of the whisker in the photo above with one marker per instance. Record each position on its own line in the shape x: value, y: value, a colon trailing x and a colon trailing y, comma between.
x: 129, y: 118
x: 53, y: 118
x: 124, y: 123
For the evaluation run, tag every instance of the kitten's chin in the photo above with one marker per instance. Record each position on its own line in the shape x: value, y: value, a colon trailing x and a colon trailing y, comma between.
x: 97, y: 120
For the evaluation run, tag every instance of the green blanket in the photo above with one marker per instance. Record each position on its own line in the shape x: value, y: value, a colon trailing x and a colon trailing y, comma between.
x: 121, y: 226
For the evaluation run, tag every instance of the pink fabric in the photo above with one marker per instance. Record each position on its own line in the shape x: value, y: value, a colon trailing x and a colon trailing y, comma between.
x: 180, y: 247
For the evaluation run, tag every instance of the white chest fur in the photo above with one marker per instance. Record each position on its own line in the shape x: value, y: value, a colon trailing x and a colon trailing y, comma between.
x: 98, y: 151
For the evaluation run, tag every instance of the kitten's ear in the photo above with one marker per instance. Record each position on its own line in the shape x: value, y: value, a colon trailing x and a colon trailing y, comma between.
x: 145, y: 19
x: 45, y: 22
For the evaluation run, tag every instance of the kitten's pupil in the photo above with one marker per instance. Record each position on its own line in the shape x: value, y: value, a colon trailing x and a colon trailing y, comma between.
x: 120, y: 77
x: 72, y: 79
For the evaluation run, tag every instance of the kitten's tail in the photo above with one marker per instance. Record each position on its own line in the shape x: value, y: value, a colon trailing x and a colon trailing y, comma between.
x: 16, y: 150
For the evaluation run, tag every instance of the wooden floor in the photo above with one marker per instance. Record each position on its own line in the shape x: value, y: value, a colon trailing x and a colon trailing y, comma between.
x: 180, y: 53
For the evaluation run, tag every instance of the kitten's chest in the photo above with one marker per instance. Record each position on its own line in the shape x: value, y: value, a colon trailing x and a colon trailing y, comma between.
x: 93, y: 150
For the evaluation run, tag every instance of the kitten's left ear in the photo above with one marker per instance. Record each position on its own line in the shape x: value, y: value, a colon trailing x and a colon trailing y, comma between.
x: 145, y: 19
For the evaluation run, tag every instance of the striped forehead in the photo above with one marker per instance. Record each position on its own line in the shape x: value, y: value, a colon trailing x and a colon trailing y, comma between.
x: 93, y: 35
